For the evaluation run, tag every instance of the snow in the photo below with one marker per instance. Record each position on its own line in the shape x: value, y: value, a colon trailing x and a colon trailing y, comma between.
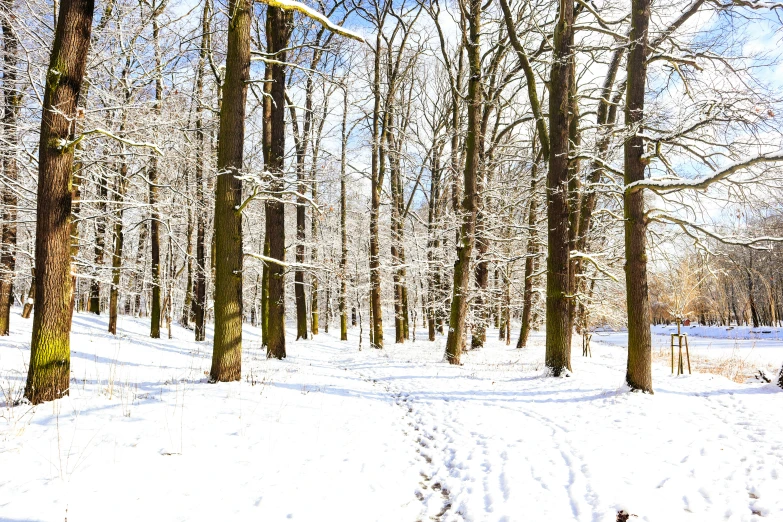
x: 756, y: 348
x: 293, y: 5
x: 333, y: 433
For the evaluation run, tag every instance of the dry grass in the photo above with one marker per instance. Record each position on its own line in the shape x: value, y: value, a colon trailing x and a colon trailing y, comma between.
x: 734, y: 367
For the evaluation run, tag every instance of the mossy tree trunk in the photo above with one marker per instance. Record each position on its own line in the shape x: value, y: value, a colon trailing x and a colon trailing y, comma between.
x: 227, y: 345
x: 50, y: 351
x: 459, y: 300
x: 11, y: 103
x: 639, y: 369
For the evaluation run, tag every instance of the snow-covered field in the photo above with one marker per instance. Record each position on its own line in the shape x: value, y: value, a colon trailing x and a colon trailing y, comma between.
x: 744, y: 349
x: 332, y: 433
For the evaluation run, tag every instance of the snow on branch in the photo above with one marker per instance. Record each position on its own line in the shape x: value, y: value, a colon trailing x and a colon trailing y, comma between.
x: 750, y: 242
x: 671, y: 185
x: 272, y: 260
x: 293, y: 5
x: 575, y: 254
x: 751, y: 4
x: 65, y: 144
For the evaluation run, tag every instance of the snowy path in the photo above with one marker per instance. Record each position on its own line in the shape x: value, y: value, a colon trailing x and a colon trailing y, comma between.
x: 497, y: 441
x: 332, y: 433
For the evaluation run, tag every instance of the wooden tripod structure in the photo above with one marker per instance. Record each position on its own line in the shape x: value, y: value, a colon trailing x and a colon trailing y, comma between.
x: 680, y: 338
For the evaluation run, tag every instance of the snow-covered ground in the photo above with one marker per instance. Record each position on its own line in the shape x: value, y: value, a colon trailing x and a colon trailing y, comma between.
x: 334, y: 433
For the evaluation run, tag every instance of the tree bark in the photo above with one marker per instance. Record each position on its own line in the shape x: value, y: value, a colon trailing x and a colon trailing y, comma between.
x: 116, y: 258
x: 639, y: 369
x: 227, y: 343
x: 343, y: 220
x: 301, y: 213
x: 558, y: 336
x: 376, y: 317
x: 11, y: 103
x: 433, y: 246
x: 265, y: 292
x: 155, y: 316
x: 456, y: 338
x: 30, y: 301
x: 530, y: 259
x: 481, y: 270
x: 100, y: 246
x: 50, y: 352
x: 200, y: 280
x: 278, y: 29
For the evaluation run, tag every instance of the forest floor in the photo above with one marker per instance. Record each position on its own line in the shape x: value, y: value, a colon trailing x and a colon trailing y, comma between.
x: 335, y: 433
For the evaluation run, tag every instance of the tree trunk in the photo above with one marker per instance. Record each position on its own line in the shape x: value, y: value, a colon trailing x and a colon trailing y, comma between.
x: 116, y: 258
x: 50, y: 352
x: 459, y: 300
x: 76, y: 197
x: 265, y: 293
x: 398, y: 256
x: 433, y: 246
x: 200, y: 281
x: 11, y: 103
x: 100, y: 246
x: 574, y: 193
x: 153, y: 191
x: 299, y: 289
x: 530, y: 259
x: 481, y: 270
x: 187, y: 305
x: 227, y: 343
x: 343, y: 218
x: 278, y: 29
x: 639, y: 370
x: 301, y: 141
x: 140, y: 262
x: 314, y: 249
x: 558, y: 293
x: 376, y: 182
x: 29, y: 303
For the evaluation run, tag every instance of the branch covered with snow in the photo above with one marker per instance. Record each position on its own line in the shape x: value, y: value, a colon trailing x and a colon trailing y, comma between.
x: 727, y: 240
x: 293, y: 5
x: 65, y: 144
x: 575, y: 254
x: 671, y: 185
x: 272, y: 260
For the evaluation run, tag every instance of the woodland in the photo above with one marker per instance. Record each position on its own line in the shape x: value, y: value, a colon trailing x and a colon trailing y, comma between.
x: 445, y: 166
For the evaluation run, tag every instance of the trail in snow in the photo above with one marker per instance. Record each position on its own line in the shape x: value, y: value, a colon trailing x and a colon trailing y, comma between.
x: 333, y: 433
x: 506, y: 443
